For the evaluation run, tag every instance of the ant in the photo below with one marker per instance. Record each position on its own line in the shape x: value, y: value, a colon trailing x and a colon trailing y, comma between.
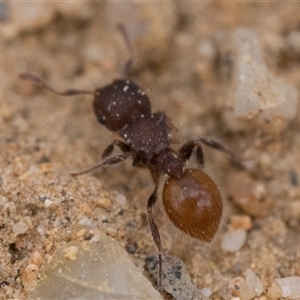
x: 191, y: 198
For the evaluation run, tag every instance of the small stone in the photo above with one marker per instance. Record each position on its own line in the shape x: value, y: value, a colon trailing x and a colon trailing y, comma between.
x: 70, y: 252
x: 254, y: 282
x: 121, y: 200
x: 290, y: 287
x: 249, y: 194
x: 233, y: 240
x: 40, y: 229
x: 36, y: 259
x: 27, y: 219
x: 241, y: 221
x: 207, y: 49
x: 29, y: 274
x: 8, y: 290
x: 239, y: 288
x: 104, y: 202
x: 85, y: 208
x: 274, y: 292
x: 80, y: 233
x: 175, y: 278
x: 42, y: 198
x: 86, y: 222
x: 103, y: 271
x: 20, y: 228
x: 257, y: 97
x: 131, y: 248
x: 257, y: 90
x: 206, y: 292
x: 48, y: 203
x: 46, y: 167
x: 95, y: 238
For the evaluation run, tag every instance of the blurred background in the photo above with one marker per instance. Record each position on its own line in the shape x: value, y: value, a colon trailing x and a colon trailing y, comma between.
x: 225, y: 70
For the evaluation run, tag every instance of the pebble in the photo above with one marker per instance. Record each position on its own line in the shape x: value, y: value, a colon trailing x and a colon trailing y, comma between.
x: 27, y: 219
x: 86, y: 222
x: 290, y: 287
x: 20, y: 228
x: 30, y: 273
x: 35, y: 259
x: 176, y: 279
x: 46, y: 167
x: 207, y: 292
x: 104, y: 202
x: 249, y: 194
x: 101, y: 271
x: 254, y: 282
x: 95, y: 238
x: 239, y: 288
x: 233, y: 240
x: 80, y: 233
x: 274, y: 292
x: 207, y: 49
x: 48, y: 203
x: 121, y: 200
x: 241, y: 221
x: 70, y: 252
x: 256, y: 98
x: 257, y: 90
x: 85, y: 209
x: 40, y: 229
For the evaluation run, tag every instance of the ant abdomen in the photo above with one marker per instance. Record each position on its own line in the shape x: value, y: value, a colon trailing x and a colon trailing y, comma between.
x: 193, y: 204
x: 120, y: 103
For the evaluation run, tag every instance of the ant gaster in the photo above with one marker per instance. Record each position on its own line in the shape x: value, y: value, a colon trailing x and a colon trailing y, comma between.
x: 191, y: 198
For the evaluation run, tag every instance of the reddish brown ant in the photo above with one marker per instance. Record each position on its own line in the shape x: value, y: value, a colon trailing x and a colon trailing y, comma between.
x: 191, y: 198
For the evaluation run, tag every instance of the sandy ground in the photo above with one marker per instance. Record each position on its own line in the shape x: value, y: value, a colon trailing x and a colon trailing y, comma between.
x: 187, y: 74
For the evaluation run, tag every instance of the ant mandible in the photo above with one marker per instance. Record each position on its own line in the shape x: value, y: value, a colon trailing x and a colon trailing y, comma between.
x: 191, y: 198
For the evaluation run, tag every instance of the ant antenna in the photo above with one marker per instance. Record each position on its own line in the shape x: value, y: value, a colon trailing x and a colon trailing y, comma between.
x: 38, y: 81
x: 130, y: 62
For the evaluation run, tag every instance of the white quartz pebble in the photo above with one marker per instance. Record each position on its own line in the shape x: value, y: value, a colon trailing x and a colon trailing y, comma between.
x: 253, y: 281
x: 290, y: 287
x: 233, y: 240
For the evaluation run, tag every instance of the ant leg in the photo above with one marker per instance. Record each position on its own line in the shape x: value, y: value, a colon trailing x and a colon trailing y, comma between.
x: 38, y: 81
x: 106, y: 162
x: 154, y: 230
x: 219, y: 146
x: 109, y: 149
x: 186, y: 150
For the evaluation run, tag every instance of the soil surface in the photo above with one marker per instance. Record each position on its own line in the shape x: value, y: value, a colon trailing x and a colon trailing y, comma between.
x: 184, y: 65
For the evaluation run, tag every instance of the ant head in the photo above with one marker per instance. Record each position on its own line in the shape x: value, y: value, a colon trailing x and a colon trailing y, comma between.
x: 193, y: 204
x: 120, y: 103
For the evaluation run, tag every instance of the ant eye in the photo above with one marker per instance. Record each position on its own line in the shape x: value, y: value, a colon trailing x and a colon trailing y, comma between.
x: 101, y: 119
x: 193, y: 203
